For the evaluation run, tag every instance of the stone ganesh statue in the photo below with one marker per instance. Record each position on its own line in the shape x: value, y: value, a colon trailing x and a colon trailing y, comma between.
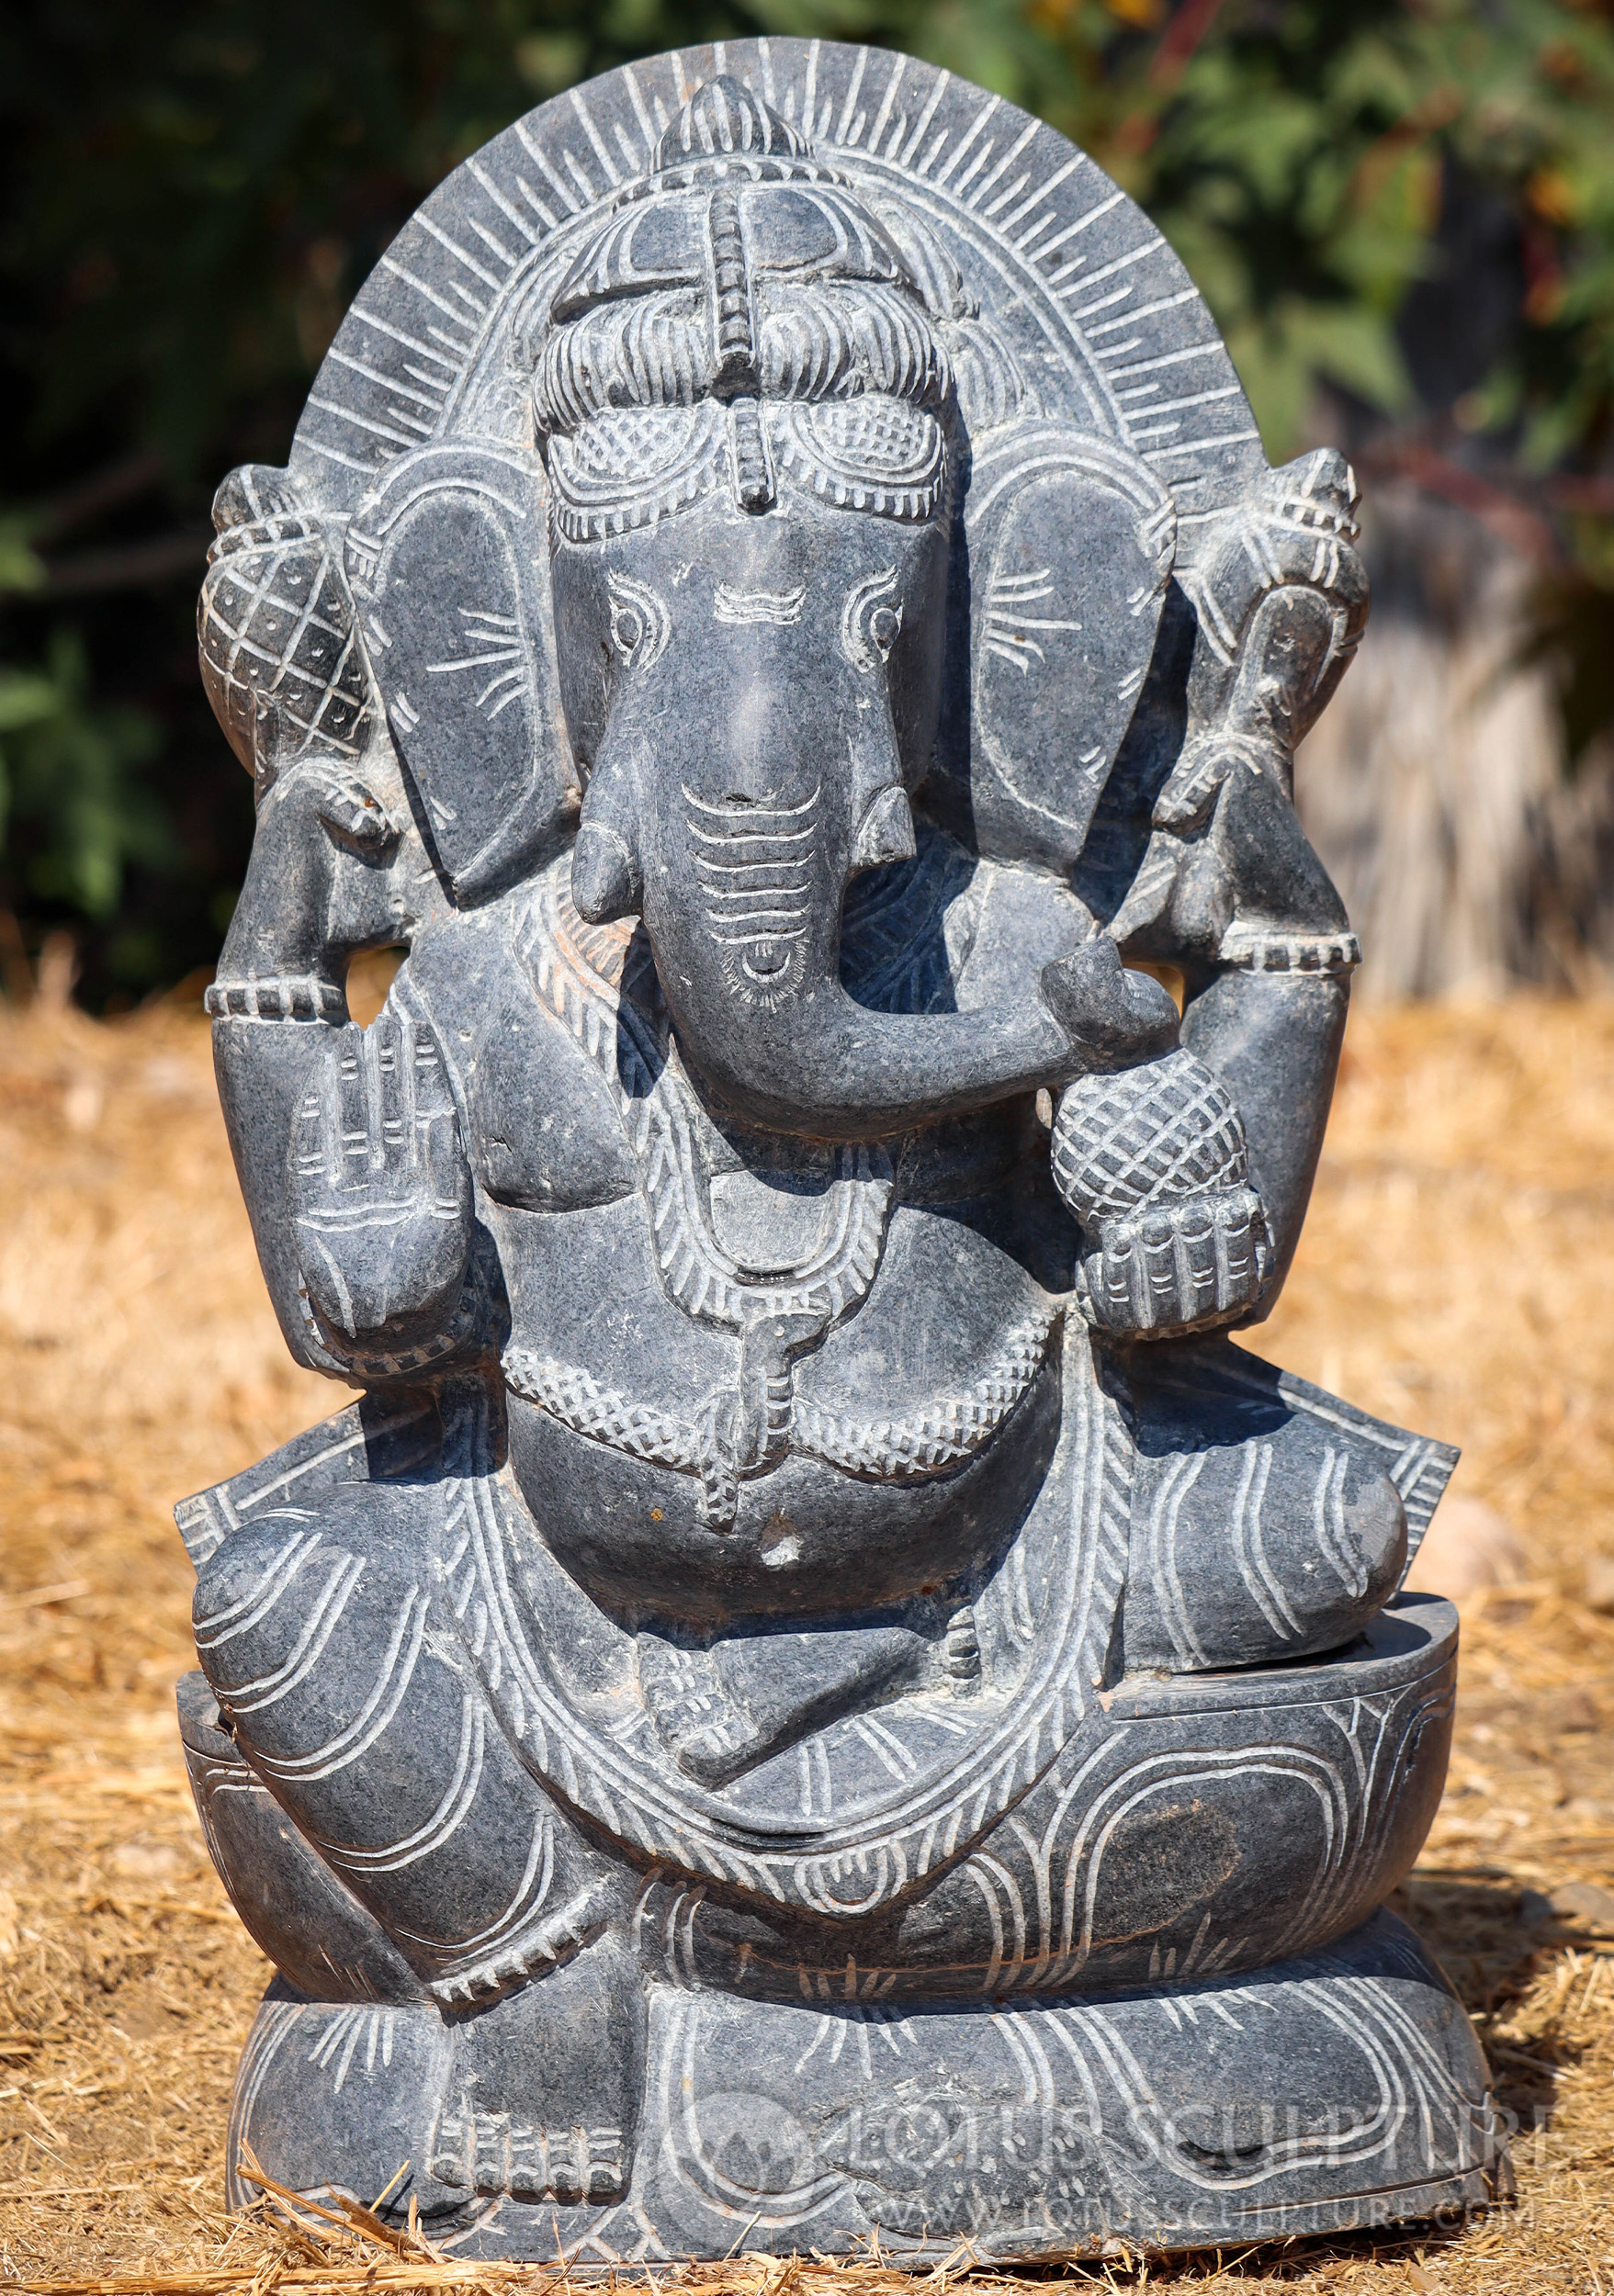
x: 817, y: 1692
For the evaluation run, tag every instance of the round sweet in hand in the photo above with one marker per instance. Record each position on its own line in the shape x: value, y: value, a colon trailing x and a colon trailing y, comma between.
x: 1134, y: 1137
x: 1152, y: 1160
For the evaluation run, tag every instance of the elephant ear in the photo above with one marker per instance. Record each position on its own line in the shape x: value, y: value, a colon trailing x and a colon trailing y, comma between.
x: 1068, y: 541
x: 448, y: 562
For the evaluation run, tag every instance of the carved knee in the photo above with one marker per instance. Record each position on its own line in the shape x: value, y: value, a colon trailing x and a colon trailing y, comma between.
x: 340, y: 1672
x: 1272, y: 1547
x: 311, y: 1627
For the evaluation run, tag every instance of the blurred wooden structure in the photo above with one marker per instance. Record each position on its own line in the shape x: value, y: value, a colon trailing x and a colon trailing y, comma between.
x: 1435, y: 786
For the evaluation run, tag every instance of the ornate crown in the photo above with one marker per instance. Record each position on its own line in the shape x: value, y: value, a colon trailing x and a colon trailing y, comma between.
x: 741, y: 316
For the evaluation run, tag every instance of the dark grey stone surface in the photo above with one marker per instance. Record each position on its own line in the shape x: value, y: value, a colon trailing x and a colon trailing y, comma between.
x: 816, y: 1691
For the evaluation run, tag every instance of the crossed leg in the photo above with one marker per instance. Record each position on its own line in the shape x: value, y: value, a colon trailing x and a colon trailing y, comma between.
x: 1265, y: 1522
x: 340, y: 1672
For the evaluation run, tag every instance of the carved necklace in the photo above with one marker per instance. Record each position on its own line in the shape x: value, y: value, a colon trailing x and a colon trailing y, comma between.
x: 730, y: 1256
x: 795, y: 1258
x: 610, y: 1006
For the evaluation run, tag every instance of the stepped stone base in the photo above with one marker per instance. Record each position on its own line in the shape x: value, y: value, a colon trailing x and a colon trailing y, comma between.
x: 1339, y: 2091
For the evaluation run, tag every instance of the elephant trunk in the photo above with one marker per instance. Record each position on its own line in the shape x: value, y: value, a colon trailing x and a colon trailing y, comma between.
x: 741, y: 902
x: 830, y: 1067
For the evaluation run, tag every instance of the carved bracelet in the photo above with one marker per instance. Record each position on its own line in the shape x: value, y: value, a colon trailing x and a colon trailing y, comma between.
x: 1257, y: 948
x: 286, y: 996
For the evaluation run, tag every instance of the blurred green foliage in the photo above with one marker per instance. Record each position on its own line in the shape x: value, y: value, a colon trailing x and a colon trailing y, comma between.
x: 1408, y: 204
x: 70, y: 768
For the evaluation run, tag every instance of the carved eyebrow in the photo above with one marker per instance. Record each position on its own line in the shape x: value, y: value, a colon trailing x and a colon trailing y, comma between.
x: 758, y: 605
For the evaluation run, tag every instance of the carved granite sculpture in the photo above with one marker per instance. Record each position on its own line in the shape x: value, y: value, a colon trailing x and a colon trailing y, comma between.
x: 817, y: 1692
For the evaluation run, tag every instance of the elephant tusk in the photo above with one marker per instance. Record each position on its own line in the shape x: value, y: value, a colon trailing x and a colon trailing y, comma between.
x: 606, y: 883
x: 886, y: 832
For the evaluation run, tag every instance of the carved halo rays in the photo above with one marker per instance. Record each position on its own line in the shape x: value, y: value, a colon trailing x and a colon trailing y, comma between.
x: 1098, y: 288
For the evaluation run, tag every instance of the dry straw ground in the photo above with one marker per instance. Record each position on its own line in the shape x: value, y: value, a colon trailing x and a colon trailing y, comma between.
x: 1456, y: 1273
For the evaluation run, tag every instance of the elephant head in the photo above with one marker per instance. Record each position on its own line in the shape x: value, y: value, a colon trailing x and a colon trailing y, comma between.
x: 744, y: 412
x: 751, y: 724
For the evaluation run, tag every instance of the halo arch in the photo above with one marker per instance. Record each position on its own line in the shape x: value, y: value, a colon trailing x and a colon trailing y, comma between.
x: 1089, y: 299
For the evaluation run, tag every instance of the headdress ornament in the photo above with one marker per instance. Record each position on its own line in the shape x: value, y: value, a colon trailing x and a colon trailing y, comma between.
x: 739, y: 299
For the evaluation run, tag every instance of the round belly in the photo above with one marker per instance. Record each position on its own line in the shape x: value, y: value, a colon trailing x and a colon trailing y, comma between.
x: 805, y: 1537
x: 912, y: 1442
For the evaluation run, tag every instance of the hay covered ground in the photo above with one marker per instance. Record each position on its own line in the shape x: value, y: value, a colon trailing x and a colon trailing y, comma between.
x: 1456, y: 1273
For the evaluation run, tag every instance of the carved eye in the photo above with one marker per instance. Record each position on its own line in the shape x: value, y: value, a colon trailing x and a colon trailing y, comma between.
x: 640, y: 625
x: 870, y: 620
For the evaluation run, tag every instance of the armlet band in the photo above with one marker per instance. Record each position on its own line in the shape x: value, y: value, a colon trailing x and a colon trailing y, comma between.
x: 289, y: 997
x: 1267, y: 949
